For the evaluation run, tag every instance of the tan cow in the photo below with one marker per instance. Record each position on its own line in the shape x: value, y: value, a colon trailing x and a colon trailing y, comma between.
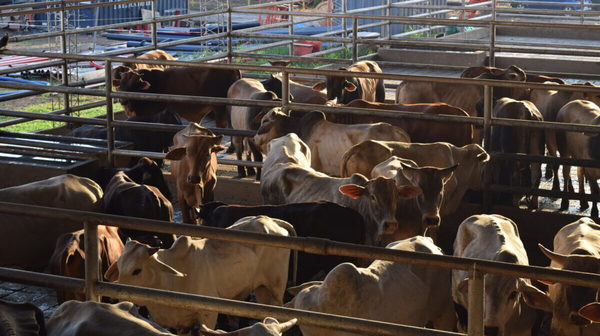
x: 208, y: 267
x: 243, y: 118
x: 150, y: 55
x: 385, y: 291
x: 471, y: 160
x: 576, y: 248
x: 268, y: 327
x: 508, y: 301
x: 327, y: 141
x: 580, y: 145
x: 346, y: 89
x: 290, y: 180
x: 68, y: 258
x: 194, y: 167
x: 75, y: 318
x: 299, y: 93
x: 27, y: 242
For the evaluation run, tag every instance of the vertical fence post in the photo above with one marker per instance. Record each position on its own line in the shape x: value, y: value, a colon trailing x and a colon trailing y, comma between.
x: 487, y: 127
x: 354, y: 39
x: 154, y: 25
x: 229, y: 31
x: 285, y: 90
x: 291, y: 29
x: 92, y: 265
x: 476, y: 302
x: 387, y: 33
x: 65, y: 66
x: 110, y: 136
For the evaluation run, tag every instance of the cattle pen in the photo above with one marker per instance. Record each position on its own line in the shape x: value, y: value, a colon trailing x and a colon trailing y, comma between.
x: 415, y: 30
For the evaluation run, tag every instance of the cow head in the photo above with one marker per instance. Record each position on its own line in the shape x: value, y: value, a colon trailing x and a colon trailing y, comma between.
x: 478, y: 158
x: 139, y: 265
x: 574, y: 307
x: 379, y: 198
x: 591, y: 96
x: 147, y: 171
x: 269, y: 327
x: 117, y: 74
x: 274, y: 124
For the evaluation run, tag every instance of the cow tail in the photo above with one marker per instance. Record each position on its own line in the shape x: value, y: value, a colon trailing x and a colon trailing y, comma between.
x: 292, y: 232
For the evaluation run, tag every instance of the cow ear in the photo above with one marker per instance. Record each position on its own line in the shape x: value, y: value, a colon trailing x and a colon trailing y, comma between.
x: 112, y: 273
x: 259, y: 116
x: 534, y: 297
x: 217, y: 148
x: 352, y: 190
x: 591, y: 311
x: 409, y: 191
x: 558, y: 258
x: 145, y: 85
x: 166, y: 269
x: 116, y: 82
x: 176, y: 154
x: 320, y: 86
x: 350, y: 87
x: 483, y: 157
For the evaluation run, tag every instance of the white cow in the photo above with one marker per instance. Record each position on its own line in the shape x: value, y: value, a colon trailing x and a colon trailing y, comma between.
x: 268, y: 327
x: 384, y: 291
x: 208, y: 267
x: 507, y: 299
x: 576, y: 248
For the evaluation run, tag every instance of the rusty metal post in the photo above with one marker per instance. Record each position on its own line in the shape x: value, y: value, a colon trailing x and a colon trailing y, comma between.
x: 487, y: 127
x: 92, y: 264
x: 110, y: 134
x: 291, y: 28
x: 285, y: 91
x: 354, y: 39
x: 476, y: 302
x: 65, y: 65
x: 229, y: 32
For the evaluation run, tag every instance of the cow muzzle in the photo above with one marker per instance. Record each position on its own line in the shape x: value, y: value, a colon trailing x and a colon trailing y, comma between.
x: 193, y: 179
x: 579, y: 320
x: 431, y: 221
x: 389, y: 227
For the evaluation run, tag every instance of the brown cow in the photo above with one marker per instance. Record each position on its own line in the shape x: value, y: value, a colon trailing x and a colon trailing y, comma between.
x: 580, y: 145
x: 346, y: 89
x: 178, y: 81
x: 418, y: 130
x: 243, y: 118
x: 124, y: 197
x: 474, y: 72
x: 194, y: 167
x: 150, y: 55
x: 471, y: 160
x: 299, y: 93
x: 327, y: 141
x: 68, y: 258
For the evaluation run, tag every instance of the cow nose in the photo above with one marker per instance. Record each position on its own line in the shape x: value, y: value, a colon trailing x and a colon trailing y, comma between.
x: 579, y: 320
x: 432, y: 221
x: 193, y: 179
x: 389, y: 227
x: 490, y: 331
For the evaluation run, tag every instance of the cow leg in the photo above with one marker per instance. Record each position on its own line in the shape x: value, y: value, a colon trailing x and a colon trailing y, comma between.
x: 239, y: 149
x: 185, y: 209
x: 265, y: 295
x: 536, y: 177
x: 250, y: 170
x: 257, y: 156
x: 568, y: 186
x: 220, y: 116
x: 551, y: 168
x: 581, y: 181
x: 594, y: 190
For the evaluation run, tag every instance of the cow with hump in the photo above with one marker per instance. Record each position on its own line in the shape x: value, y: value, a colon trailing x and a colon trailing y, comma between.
x: 194, y: 167
x: 189, y: 81
x: 207, y: 267
x: 327, y: 141
x: 385, y: 291
x: 18, y: 232
x: 508, y: 301
x: 346, y: 89
x: 575, y: 310
x: 288, y: 178
x: 268, y: 327
x: 580, y: 145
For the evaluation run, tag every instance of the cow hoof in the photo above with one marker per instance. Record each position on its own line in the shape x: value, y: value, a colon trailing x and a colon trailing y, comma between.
x: 564, y: 205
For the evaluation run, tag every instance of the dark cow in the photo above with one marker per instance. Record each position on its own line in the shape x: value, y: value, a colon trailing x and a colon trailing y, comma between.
x: 299, y: 93
x: 68, y: 258
x: 346, y: 89
x: 21, y: 319
x: 243, y: 118
x: 124, y: 197
x: 511, y: 139
x: 142, y: 139
x: 474, y: 72
x: 314, y: 219
x: 178, y: 81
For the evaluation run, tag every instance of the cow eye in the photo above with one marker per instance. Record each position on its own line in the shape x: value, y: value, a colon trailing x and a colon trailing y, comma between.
x: 513, y: 295
x: 373, y: 198
x: 136, y: 271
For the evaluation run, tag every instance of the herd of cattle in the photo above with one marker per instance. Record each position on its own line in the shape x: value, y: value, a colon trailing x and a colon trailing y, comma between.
x: 344, y: 177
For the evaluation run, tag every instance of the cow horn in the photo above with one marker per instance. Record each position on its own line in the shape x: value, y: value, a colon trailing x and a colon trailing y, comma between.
x: 558, y: 258
x: 281, y: 327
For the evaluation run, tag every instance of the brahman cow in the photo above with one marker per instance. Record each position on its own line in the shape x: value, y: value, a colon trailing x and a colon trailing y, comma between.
x: 287, y: 178
x: 346, y: 89
x: 194, y: 167
x: 513, y: 139
x: 508, y: 301
x: 576, y: 248
x: 187, y: 81
x: 316, y: 219
x: 418, y: 130
x: 75, y: 318
x: 124, y: 197
x: 418, y: 215
x: 207, y: 267
x: 385, y: 291
x: 474, y: 72
x: 26, y: 241
x: 580, y: 145
x: 327, y: 141
x: 299, y: 93
x: 471, y: 160
x: 549, y: 102
x: 268, y: 327
x: 21, y: 319
x: 243, y: 118
x: 68, y: 258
